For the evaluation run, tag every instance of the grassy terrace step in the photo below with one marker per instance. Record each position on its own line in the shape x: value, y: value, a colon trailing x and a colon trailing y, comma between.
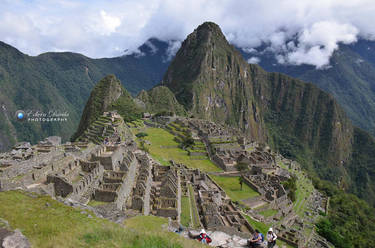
x: 177, y: 133
x: 304, y: 189
x: 185, y: 211
x: 57, y: 225
x: 268, y: 212
x: 193, y: 206
x: 104, y: 118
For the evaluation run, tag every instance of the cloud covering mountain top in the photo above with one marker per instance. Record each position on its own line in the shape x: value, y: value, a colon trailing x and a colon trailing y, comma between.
x: 303, y: 31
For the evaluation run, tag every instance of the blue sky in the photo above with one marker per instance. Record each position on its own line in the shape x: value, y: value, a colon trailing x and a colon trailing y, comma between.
x: 99, y: 28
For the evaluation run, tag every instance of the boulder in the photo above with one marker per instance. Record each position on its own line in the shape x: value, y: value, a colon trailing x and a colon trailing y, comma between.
x: 16, y: 240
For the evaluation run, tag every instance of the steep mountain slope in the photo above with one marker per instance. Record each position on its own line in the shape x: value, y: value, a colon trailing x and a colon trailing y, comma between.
x: 350, y: 78
x: 107, y: 94
x: 212, y: 80
x: 62, y: 82
x: 159, y: 99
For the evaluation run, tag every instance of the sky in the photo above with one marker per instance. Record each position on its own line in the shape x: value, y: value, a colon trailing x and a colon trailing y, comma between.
x: 297, y: 31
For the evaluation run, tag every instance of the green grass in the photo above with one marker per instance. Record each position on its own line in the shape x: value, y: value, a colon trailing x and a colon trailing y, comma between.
x: 232, y: 187
x: 57, y: 225
x: 163, y: 148
x: 268, y: 212
x: 94, y: 203
x: 193, y: 205
x: 185, y: 211
x: 304, y: 189
x: 263, y: 228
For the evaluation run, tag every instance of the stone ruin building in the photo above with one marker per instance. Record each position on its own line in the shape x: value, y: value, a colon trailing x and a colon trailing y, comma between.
x: 216, y: 211
x: 166, y: 192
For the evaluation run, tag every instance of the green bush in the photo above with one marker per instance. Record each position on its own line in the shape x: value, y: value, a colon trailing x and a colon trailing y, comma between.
x: 141, y: 135
x: 291, y: 186
x: 350, y: 220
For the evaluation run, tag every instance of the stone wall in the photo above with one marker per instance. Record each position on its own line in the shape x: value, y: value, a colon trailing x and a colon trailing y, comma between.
x: 166, y: 192
x: 126, y: 188
x: 143, y: 185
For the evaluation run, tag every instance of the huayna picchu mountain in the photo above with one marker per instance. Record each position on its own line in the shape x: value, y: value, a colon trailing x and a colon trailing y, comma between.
x: 213, y: 81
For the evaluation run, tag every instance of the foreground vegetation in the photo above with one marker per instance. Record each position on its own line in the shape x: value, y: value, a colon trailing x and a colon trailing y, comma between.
x: 48, y: 223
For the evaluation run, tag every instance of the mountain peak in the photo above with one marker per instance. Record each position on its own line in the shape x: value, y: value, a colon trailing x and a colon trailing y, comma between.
x: 208, y: 32
x: 209, y: 27
x: 205, y: 75
x: 197, y: 53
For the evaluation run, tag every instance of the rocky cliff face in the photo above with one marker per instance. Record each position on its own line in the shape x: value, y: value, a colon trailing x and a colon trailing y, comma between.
x: 212, y: 80
x: 303, y: 122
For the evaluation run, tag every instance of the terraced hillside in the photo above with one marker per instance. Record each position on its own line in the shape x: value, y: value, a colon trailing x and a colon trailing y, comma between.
x: 106, y: 128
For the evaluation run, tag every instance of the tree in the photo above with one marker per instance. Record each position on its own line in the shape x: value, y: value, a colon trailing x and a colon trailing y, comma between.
x: 187, y: 141
x: 242, y: 168
x: 291, y: 187
x: 141, y: 135
x: 241, y: 181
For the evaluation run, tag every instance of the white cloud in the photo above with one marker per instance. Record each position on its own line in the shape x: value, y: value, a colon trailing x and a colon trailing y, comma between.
x: 297, y: 32
x: 253, y: 60
x: 172, y: 49
x: 107, y: 24
x: 316, y: 44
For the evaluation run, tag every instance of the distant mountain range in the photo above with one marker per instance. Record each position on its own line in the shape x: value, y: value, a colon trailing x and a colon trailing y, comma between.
x: 350, y: 78
x: 63, y: 81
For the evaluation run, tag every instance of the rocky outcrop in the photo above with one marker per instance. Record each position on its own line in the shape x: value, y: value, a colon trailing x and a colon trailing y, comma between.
x: 13, y: 239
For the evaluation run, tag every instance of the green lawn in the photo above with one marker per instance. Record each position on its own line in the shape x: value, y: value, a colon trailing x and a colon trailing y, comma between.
x: 163, y: 148
x: 262, y: 227
x: 48, y: 223
x: 193, y: 206
x: 268, y: 212
x: 232, y: 187
x: 304, y: 189
x: 185, y: 211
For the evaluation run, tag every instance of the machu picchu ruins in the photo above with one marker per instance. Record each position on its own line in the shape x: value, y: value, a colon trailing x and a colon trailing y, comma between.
x: 114, y: 171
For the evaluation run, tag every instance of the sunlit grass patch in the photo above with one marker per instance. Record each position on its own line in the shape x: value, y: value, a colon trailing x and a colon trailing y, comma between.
x: 232, y: 187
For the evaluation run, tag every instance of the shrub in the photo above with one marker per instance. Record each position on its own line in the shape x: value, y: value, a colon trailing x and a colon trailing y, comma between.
x: 141, y: 135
